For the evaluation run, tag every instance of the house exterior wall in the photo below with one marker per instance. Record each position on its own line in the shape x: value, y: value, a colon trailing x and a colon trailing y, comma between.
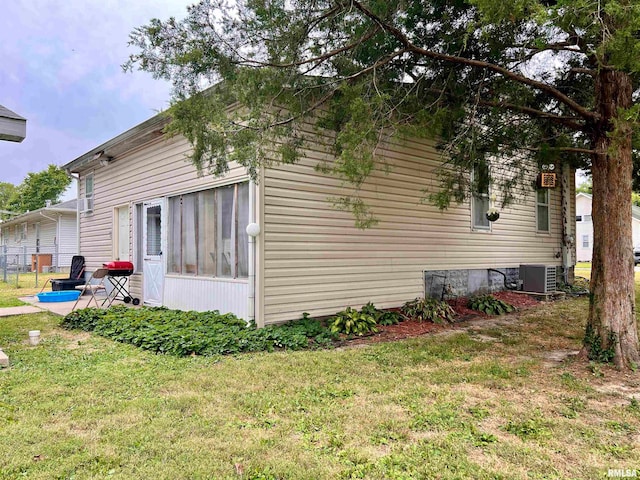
x: 67, y: 239
x: 156, y: 170
x: 57, y: 233
x: 313, y: 258
x: 584, y: 228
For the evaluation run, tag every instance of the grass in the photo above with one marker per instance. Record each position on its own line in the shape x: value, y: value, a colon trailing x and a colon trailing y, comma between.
x: 27, y: 285
x: 448, y: 406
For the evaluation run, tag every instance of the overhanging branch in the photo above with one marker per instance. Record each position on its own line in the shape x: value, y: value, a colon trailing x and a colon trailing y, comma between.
x: 553, y: 92
x: 567, y: 121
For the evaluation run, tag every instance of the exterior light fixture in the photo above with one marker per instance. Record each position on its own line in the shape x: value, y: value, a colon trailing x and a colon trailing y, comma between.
x: 253, y: 229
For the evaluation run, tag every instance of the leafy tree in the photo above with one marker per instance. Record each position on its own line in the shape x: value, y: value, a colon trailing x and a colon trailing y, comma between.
x: 585, y: 187
x: 37, y: 188
x: 7, y: 190
x: 500, y: 82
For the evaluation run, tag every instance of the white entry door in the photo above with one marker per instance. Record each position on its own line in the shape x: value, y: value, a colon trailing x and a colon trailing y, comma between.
x: 153, y: 266
x: 121, y: 246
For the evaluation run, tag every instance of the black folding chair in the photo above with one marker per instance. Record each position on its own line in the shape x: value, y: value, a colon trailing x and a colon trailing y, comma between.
x: 76, y: 276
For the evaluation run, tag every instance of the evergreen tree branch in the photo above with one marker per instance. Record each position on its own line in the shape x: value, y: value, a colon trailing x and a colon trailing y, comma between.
x: 567, y: 121
x: 553, y: 92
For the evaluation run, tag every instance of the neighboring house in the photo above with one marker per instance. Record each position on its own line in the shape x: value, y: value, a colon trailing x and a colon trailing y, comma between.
x: 584, y: 227
x: 50, y: 232
x: 12, y: 126
x: 143, y: 201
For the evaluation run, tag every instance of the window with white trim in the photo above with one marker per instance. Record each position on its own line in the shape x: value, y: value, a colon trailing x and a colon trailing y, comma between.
x: 480, y: 197
x: 207, y: 232
x: 88, y: 193
x: 585, y: 241
x: 586, y: 218
x: 20, y: 232
x: 542, y: 210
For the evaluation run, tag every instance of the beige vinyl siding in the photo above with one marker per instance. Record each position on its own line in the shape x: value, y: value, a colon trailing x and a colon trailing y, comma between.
x: 68, y: 239
x: 315, y: 260
x: 154, y: 170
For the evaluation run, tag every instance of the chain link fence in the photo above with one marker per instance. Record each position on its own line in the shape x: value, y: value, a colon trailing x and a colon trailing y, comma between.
x: 38, y: 262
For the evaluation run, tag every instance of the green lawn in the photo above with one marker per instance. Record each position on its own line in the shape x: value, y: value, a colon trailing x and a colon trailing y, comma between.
x: 27, y: 285
x: 485, y: 404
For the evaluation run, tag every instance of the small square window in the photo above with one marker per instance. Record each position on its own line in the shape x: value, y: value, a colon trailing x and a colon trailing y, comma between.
x: 585, y: 241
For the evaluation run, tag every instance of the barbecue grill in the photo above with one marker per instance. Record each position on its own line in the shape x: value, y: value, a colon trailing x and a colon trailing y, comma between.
x: 118, y: 273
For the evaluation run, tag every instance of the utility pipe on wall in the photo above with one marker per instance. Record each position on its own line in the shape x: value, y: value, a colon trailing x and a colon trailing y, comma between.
x: 252, y: 231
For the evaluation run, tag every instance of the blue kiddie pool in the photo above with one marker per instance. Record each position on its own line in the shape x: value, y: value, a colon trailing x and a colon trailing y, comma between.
x: 59, y: 296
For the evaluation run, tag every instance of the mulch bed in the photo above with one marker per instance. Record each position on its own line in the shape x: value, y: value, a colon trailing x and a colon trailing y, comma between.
x: 414, y: 328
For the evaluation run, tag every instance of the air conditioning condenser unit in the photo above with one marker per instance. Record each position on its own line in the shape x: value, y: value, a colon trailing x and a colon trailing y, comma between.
x: 538, y: 278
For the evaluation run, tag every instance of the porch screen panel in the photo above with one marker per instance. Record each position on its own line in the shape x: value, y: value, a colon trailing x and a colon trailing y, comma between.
x: 224, y: 227
x: 175, y: 235
x: 189, y: 235
x: 206, y: 233
x: 243, y: 221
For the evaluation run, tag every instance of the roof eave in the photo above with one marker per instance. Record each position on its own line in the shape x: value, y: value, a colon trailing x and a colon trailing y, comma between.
x: 132, y: 138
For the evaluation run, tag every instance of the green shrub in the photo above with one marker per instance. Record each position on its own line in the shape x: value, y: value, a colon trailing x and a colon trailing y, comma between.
x: 429, y: 310
x: 490, y: 305
x: 161, y: 330
x: 353, y: 322
x: 382, y: 317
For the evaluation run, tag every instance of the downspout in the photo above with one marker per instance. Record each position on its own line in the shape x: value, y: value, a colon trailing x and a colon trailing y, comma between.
x: 251, y: 234
x: 568, y: 236
x: 77, y: 179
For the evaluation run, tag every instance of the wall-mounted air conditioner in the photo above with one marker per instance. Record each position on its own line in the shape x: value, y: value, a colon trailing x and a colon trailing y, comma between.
x: 538, y: 278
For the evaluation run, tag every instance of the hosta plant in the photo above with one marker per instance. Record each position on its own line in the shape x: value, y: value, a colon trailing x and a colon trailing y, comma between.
x: 383, y: 317
x: 353, y: 322
x: 429, y: 310
x: 490, y: 305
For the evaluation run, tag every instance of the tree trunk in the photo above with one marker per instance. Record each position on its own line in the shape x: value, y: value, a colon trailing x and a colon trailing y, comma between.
x: 612, y: 318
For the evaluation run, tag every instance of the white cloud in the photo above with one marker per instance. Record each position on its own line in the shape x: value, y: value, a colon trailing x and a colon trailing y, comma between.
x: 61, y: 70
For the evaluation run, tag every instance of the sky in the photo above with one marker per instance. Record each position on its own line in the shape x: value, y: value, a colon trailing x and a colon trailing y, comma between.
x: 61, y: 70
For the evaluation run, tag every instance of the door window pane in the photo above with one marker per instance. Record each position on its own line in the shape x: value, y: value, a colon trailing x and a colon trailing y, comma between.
x: 153, y: 230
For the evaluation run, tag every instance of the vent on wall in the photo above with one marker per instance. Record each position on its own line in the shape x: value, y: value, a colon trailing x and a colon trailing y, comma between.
x: 538, y: 278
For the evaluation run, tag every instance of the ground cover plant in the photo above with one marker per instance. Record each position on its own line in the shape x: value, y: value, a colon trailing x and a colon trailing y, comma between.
x: 175, y: 332
x: 495, y: 398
